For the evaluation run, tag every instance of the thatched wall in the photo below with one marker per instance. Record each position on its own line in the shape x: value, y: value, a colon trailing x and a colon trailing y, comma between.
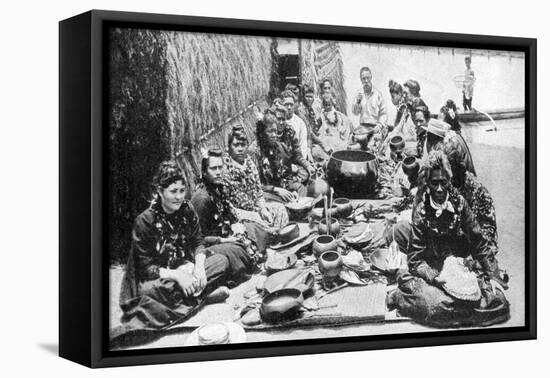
x: 170, y: 94
x: 320, y: 60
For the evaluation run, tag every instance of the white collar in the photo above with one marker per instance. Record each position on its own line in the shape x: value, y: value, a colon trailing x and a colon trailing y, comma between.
x: 446, y: 205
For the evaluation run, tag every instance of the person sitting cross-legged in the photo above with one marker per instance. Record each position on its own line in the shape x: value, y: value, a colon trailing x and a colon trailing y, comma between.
x: 444, y: 226
x: 170, y: 272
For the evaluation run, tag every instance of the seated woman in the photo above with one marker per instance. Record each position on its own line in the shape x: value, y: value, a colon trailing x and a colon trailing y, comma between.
x: 474, y: 192
x: 169, y: 271
x: 284, y: 172
x: 403, y: 124
x: 245, y: 241
x: 243, y: 181
x: 336, y: 128
x: 443, y: 225
x: 448, y: 114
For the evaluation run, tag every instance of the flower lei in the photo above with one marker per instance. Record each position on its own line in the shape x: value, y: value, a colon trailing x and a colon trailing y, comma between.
x: 172, y: 240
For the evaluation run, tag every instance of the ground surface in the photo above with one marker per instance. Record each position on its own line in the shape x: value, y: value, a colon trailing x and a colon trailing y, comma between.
x: 499, y: 161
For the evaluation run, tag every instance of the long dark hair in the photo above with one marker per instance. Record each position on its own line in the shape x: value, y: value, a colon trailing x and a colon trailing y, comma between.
x: 268, y: 119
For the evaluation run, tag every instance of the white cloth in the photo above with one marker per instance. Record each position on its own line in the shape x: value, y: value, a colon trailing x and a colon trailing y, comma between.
x: 468, y: 88
x: 446, y: 205
x: 335, y: 137
x: 372, y: 108
x: 300, y: 129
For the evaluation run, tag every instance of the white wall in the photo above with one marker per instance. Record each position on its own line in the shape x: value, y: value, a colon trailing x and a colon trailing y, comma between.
x: 29, y: 157
x: 500, y: 81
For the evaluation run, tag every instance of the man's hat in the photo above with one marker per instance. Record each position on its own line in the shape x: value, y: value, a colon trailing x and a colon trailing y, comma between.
x: 437, y: 127
x: 217, y: 333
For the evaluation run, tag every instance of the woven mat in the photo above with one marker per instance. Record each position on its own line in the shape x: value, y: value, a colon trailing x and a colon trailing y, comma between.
x: 359, y: 304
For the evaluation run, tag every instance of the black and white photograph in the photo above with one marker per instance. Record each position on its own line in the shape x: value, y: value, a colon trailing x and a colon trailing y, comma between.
x: 265, y: 189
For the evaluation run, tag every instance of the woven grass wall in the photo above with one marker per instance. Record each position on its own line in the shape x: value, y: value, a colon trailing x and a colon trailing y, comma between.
x: 320, y: 60
x: 170, y: 94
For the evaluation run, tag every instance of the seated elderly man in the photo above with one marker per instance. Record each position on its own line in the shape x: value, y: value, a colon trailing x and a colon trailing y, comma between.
x: 443, y: 226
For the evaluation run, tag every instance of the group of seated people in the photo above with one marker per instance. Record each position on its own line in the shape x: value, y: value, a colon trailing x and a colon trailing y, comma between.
x: 185, y: 253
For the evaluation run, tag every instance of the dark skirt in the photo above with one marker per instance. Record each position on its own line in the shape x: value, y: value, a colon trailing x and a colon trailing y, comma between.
x: 161, y: 303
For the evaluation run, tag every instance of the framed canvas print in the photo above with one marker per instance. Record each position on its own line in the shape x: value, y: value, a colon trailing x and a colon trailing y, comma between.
x: 234, y: 188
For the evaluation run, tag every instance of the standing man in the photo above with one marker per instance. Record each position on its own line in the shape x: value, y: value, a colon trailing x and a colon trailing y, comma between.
x: 296, y: 123
x: 370, y: 105
x: 468, y: 86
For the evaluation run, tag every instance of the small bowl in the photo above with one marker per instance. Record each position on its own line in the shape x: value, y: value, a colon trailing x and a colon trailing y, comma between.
x: 397, y: 143
x: 323, y: 243
x: 297, y: 211
x: 344, y: 206
x: 411, y: 166
x: 334, y: 227
x: 333, y: 212
x: 330, y: 264
x: 280, y: 304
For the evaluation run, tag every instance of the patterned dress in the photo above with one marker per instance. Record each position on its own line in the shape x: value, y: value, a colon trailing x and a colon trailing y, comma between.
x: 482, y: 205
x: 245, y: 192
x: 275, y: 165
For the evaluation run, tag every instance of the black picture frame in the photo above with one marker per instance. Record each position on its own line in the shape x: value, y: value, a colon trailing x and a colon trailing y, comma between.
x: 83, y: 266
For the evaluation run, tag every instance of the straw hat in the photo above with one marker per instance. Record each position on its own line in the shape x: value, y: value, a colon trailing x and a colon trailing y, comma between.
x: 287, y: 236
x: 437, y: 127
x: 217, y: 333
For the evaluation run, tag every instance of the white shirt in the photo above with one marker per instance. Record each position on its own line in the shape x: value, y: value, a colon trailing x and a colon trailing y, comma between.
x: 372, y: 108
x: 469, y: 86
x: 300, y: 129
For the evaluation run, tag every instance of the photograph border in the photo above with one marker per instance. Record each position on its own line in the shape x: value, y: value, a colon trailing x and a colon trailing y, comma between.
x: 84, y: 187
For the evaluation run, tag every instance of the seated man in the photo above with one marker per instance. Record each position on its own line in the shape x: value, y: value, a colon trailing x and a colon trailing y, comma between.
x: 297, y: 124
x: 443, y: 225
x: 312, y: 118
x: 169, y: 271
x: 245, y: 242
